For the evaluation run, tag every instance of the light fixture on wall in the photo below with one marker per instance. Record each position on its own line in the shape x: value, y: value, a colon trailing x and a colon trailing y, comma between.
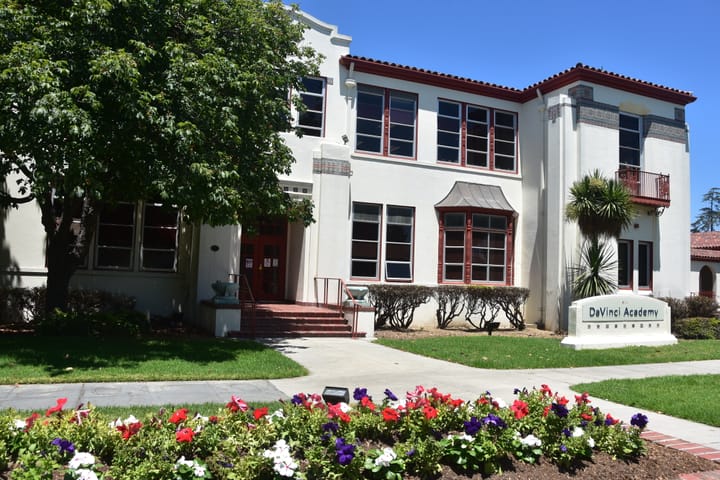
x: 345, y: 139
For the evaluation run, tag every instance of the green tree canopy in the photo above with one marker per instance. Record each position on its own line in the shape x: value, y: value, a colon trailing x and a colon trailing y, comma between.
x: 708, y: 219
x: 182, y: 100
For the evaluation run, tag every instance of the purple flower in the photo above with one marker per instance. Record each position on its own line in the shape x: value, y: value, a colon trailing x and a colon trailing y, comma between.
x: 360, y: 393
x: 64, y: 446
x: 560, y: 410
x: 390, y: 395
x: 567, y: 432
x: 330, y: 427
x: 639, y: 420
x: 472, y: 427
x: 563, y: 448
x: 494, y: 421
x: 410, y: 452
x: 345, y: 451
x: 297, y: 400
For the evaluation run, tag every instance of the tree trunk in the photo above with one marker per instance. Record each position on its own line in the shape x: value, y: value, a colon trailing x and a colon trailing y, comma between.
x: 60, y: 270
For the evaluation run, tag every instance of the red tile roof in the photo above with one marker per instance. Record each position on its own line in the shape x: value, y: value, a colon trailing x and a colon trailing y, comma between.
x: 704, y: 255
x: 579, y: 72
x: 706, y: 240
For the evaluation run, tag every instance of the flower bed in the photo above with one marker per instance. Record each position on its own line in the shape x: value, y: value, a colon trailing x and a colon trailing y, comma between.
x: 392, y: 438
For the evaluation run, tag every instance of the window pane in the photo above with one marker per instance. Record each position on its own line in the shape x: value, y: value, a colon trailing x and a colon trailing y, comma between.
x: 364, y: 269
x: 644, y: 265
x: 498, y: 223
x: 455, y: 238
x: 504, y: 163
x: 402, y: 215
x: 369, y: 105
x: 364, y: 250
x: 314, y: 85
x: 479, y: 273
x: 449, y: 124
x: 630, y: 123
x: 399, y: 271
x: 479, y: 256
x: 113, y: 257
x: 401, y: 148
x: 629, y: 139
x: 368, y: 144
x: 158, y: 260
x: 455, y: 220
x: 629, y: 157
x: 497, y: 257
x: 403, y: 117
x: 399, y: 233
x: 312, y: 102
x: 453, y: 272
x: 477, y: 114
x: 504, y: 148
x: 497, y: 274
x: 369, y: 127
x: 365, y: 231
x: 121, y: 214
x: 479, y: 239
x: 398, y: 252
x: 454, y: 255
x: 477, y: 129
x: 497, y: 240
x: 477, y: 144
x: 159, y: 216
x: 449, y: 109
x: 115, y: 235
x: 311, y: 119
x: 477, y: 159
x: 448, y: 155
x: 505, y: 119
x: 402, y: 132
x: 448, y: 139
x: 480, y: 221
x: 162, y: 238
x: 507, y: 134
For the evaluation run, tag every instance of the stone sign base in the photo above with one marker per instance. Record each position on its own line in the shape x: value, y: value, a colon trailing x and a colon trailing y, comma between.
x: 614, y: 321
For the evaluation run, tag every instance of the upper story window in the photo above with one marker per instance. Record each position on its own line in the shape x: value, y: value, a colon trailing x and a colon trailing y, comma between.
x: 311, y: 121
x: 386, y: 121
x: 465, y: 132
x: 629, y: 141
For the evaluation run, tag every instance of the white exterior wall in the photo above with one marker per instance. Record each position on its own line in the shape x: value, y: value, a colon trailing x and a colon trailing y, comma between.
x: 554, y: 149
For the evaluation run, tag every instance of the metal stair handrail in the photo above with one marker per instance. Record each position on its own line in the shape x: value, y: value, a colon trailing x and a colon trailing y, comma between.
x: 339, y: 302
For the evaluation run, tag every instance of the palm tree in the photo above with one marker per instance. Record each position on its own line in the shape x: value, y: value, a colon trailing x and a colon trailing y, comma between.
x: 601, y: 207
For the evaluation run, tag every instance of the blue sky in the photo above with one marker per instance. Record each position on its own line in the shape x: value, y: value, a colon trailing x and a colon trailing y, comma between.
x: 521, y: 42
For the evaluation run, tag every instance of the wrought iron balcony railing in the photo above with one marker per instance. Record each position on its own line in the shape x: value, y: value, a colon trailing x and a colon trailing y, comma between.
x: 646, y: 188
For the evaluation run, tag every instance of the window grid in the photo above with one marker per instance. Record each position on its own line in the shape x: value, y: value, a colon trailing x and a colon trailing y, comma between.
x: 311, y: 122
x: 365, y: 241
x: 386, y: 122
x: 454, y: 247
x: 645, y: 267
x: 115, y: 237
x: 629, y: 151
x: 399, y: 243
x: 159, y: 244
x: 465, y: 138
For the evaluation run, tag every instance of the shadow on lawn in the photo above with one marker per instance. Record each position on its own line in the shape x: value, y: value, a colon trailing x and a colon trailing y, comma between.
x: 92, y: 353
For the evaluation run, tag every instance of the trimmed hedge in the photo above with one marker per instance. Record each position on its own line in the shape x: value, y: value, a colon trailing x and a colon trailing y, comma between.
x: 699, y: 328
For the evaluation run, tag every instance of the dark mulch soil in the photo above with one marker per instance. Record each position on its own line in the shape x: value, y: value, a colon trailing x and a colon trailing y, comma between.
x: 660, y: 463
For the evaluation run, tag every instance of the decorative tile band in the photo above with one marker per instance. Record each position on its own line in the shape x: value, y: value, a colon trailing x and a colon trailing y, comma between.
x: 596, y: 113
x: 665, y: 129
x: 332, y: 167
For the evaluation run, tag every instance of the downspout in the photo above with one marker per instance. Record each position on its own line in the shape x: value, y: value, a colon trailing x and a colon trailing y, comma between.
x: 543, y: 203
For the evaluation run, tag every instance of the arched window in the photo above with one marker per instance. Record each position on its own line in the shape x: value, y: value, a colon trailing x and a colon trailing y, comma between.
x: 707, y: 282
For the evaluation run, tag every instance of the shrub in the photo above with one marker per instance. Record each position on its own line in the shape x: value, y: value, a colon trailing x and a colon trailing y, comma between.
x: 395, y: 304
x: 678, y: 310
x: 699, y: 328
x: 451, y: 302
x: 480, y: 302
x: 699, y: 306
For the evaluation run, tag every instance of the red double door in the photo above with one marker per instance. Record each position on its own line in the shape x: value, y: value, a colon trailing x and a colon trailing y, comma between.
x: 262, y: 260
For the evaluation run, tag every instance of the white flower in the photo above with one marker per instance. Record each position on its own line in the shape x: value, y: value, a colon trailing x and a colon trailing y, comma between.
x: 500, y: 402
x: 578, y: 432
x: 344, y: 407
x: 127, y: 422
x: 276, y: 414
x: 85, y: 474
x: 286, y: 468
x: 397, y: 405
x: 591, y: 442
x: 81, y: 459
x: 283, y: 462
x: 182, y: 461
x: 199, y: 471
x: 531, y: 441
x: 19, y: 424
x: 387, y: 456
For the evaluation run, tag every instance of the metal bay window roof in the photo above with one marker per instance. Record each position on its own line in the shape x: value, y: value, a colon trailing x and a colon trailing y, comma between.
x: 476, y: 195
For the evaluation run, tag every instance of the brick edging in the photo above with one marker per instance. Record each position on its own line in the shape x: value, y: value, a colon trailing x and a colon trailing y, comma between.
x: 696, y: 449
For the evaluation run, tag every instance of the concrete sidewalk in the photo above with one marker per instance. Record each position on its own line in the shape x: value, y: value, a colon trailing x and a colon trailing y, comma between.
x: 361, y: 363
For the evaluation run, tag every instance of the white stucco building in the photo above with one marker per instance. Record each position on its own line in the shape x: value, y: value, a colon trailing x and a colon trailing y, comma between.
x: 425, y: 178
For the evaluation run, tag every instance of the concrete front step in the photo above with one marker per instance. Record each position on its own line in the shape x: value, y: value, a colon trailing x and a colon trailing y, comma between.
x: 289, y: 320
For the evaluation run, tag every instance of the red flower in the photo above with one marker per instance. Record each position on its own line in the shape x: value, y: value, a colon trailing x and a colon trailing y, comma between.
x: 260, y: 412
x: 184, y: 435
x: 582, y: 399
x: 390, y: 415
x: 546, y: 410
x: 213, y: 419
x: 30, y: 421
x: 562, y: 401
x: 545, y: 390
x: 430, y: 412
x: 586, y: 416
x: 457, y: 402
x: 366, y: 402
x: 235, y: 404
x: 58, y: 407
x: 178, y: 416
x: 520, y: 409
x: 128, y: 431
x: 609, y: 420
x: 334, y: 411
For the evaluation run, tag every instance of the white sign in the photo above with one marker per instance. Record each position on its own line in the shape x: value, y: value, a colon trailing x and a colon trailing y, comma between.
x: 610, y: 321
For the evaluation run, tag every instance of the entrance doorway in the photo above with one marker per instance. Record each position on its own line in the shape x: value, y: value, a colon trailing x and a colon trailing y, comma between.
x: 262, y: 260
x: 707, y: 287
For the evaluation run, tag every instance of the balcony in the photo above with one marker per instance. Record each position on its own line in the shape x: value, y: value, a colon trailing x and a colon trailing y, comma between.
x: 646, y: 188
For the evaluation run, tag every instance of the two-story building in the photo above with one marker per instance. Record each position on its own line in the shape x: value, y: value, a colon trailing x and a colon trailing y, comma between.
x: 419, y: 177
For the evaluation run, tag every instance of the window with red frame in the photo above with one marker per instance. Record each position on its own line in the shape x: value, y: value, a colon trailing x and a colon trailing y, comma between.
x: 645, y: 267
x: 378, y: 108
x: 475, y: 247
x: 624, y: 265
x: 476, y: 136
x: 365, y: 252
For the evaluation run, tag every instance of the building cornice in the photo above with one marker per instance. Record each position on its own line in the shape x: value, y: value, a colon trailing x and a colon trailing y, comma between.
x: 578, y: 73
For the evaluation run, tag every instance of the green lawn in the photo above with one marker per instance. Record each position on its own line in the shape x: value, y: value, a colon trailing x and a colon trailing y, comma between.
x: 484, y: 351
x: 692, y: 397
x: 36, y: 359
